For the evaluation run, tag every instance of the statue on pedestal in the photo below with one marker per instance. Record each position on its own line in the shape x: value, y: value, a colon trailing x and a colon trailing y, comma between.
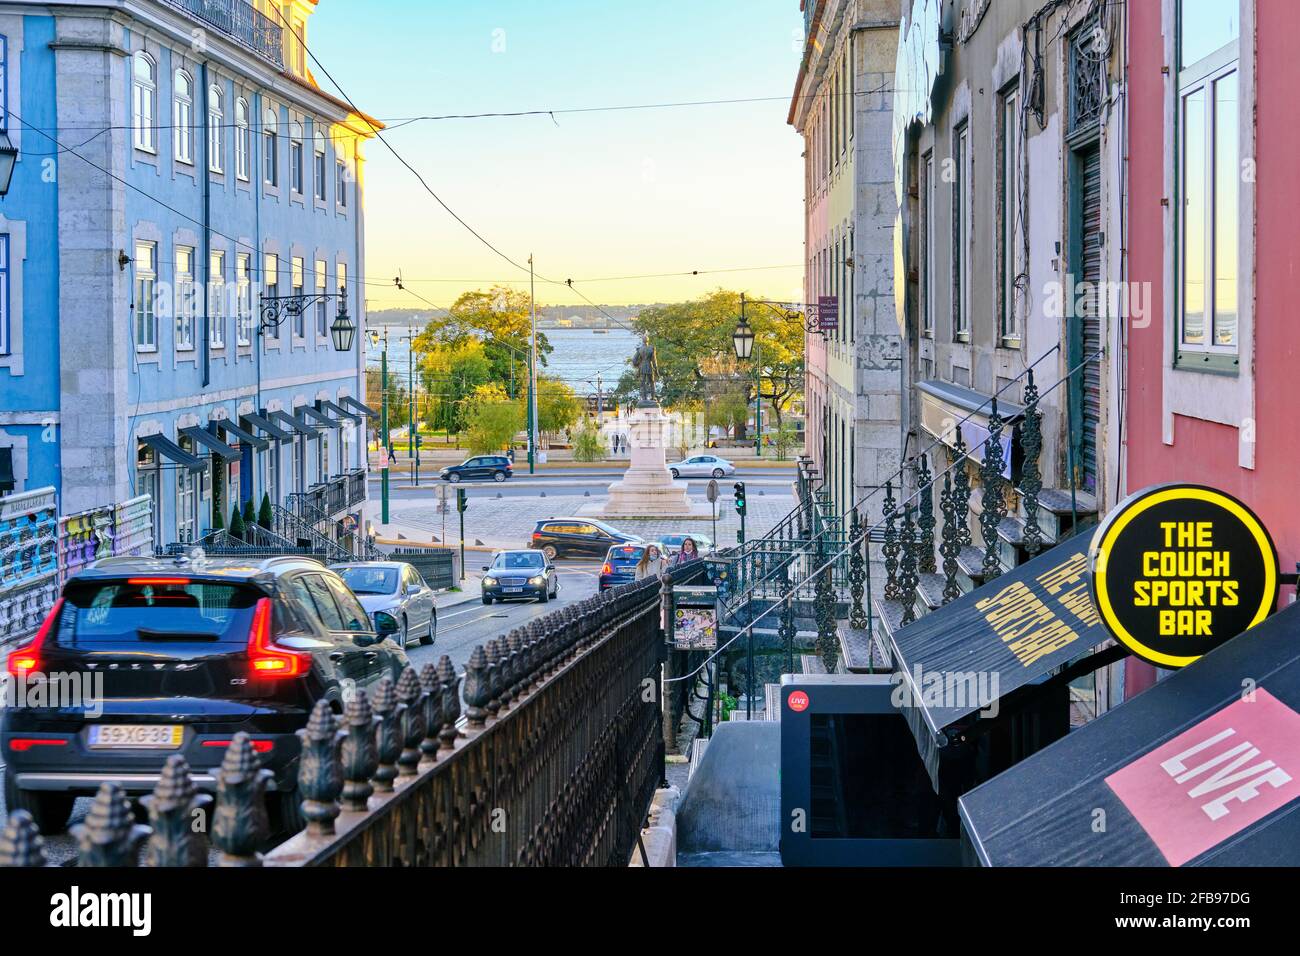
x: 647, y: 370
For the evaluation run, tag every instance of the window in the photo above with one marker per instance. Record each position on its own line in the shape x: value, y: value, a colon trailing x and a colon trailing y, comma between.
x: 183, y: 117
x: 322, y: 327
x: 323, y: 600
x: 925, y: 238
x: 216, y: 129
x: 242, y: 144
x: 1009, y: 219
x: 1209, y: 180
x: 341, y: 183
x: 341, y: 281
x: 320, y: 167
x: 146, y: 274
x: 296, y: 279
x: 4, y: 294
x: 270, y: 149
x: 217, y: 299
x: 146, y: 482
x: 295, y: 158
x: 243, y: 300
x: 271, y: 279
x: 144, y: 101
x: 184, y: 278
x: 187, y: 504
x: 961, y: 216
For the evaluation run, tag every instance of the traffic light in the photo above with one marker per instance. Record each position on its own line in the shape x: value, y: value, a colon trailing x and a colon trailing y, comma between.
x: 740, y: 497
x: 462, y: 500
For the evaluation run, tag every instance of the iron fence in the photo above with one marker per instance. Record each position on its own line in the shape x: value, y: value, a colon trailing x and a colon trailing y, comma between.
x: 240, y: 21
x: 547, y: 750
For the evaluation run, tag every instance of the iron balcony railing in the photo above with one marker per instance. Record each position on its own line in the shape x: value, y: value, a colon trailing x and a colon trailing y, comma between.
x: 242, y: 23
x: 330, y: 498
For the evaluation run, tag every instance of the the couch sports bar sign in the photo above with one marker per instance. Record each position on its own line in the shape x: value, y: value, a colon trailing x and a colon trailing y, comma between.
x: 1179, y: 569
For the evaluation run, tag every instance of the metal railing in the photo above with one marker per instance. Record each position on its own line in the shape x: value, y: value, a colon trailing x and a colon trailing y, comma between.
x: 242, y: 23
x: 552, y: 760
x: 329, y: 498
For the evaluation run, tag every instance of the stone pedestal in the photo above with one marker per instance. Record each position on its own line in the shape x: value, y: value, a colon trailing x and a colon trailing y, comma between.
x: 647, y: 489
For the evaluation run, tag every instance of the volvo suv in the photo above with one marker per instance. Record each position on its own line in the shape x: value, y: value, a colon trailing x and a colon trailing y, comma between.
x: 158, y: 657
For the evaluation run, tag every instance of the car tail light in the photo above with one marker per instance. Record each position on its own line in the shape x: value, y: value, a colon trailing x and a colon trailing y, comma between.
x: 23, y: 744
x: 27, y: 659
x: 607, y: 569
x: 259, y: 746
x: 537, y: 536
x: 265, y: 657
x: 158, y: 582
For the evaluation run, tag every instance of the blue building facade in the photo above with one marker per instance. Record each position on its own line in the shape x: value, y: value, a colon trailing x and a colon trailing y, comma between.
x: 181, y: 182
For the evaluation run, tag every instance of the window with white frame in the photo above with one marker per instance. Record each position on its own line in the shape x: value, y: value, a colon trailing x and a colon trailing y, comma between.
x: 1209, y: 181
x: 217, y: 299
x: 1009, y: 218
x: 295, y: 158
x: 4, y: 294
x: 183, y: 276
x: 322, y: 186
x: 341, y: 184
x: 187, y: 498
x: 183, y: 117
x: 146, y: 276
x: 242, y: 139
x: 297, y: 277
x: 243, y: 299
x: 216, y: 129
x: 271, y: 279
x: 925, y: 241
x: 322, y: 327
x: 961, y: 236
x: 144, y: 101
x: 271, y: 148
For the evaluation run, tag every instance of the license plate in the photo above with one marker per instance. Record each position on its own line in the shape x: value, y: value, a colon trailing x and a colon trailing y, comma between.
x: 136, y: 736
x: 514, y: 590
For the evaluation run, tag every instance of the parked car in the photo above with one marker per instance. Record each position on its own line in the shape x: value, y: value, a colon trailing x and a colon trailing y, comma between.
x: 188, y: 656
x: 673, y: 543
x: 702, y: 466
x: 520, y: 574
x: 620, y: 563
x: 576, y: 537
x: 396, y: 598
x: 480, y: 467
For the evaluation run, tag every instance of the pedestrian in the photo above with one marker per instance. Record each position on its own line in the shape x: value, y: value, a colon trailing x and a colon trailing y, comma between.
x: 392, y: 454
x: 688, y: 552
x: 651, y: 563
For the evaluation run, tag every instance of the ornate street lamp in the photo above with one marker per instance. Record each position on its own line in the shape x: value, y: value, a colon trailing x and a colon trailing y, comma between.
x: 8, y: 157
x: 743, y: 340
x: 275, y: 309
x: 342, y: 329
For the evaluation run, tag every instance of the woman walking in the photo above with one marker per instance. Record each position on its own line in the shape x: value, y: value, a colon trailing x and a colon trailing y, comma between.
x: 651, y: 564
x: 688, y: 553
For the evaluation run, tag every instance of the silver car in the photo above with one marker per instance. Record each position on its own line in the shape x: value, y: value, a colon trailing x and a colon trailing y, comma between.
x: 395, y: 596
x: 702, y: 466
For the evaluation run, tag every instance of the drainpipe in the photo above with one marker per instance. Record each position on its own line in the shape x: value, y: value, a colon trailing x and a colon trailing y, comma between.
x: 206, y: 361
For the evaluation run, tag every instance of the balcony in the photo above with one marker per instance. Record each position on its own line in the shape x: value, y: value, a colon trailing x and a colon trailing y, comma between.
x: 238, y: 20
x: 331, y: 498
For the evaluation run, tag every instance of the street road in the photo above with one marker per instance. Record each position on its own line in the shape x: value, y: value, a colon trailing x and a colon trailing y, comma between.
x: 575, y: 481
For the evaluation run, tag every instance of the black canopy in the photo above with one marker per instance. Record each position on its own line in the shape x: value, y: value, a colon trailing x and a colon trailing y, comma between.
x: 168, y: 449
x: 241, y: 434
x: 362, y: 407
x: 326, y: 405
x: 295, y: 423
x: 307, y: 413
x: 268, y: 427
x: 1202, y: 769
x: 211, y: 442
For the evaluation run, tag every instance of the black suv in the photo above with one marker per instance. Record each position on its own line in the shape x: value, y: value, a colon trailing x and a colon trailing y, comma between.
x: 577, y: 537
x: 188, y: 655
x: 496, y: 467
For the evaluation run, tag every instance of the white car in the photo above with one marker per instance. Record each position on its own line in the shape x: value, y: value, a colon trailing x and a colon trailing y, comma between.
x: 395, y: 591
x: 702, y: 466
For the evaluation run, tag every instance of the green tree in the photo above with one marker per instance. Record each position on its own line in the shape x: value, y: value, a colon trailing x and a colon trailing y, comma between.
x: 264, y: 516
x: 237, y: 527
x: 588, y: 445
x: 451, y: 371
x: 250, y: 515
x: 491, y: 419
x: 785, y: 438
x: 557, y: 405
x: 500, y: 319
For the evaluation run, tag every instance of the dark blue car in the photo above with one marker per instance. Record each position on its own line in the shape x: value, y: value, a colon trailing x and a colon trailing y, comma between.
x: 620, y: 564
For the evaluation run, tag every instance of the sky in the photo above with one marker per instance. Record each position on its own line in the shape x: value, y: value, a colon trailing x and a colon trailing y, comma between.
x: 593, y: 195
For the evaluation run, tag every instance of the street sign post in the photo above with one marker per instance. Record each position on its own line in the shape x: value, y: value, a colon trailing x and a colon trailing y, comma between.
x: 712, y: 495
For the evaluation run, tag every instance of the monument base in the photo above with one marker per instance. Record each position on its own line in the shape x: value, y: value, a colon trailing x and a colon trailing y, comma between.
x: 648, y: 489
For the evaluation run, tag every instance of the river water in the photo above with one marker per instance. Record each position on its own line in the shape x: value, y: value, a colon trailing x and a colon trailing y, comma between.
x: 580, y: 355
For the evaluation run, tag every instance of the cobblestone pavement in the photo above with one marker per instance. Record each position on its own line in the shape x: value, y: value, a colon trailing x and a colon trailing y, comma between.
x: 507, y: 522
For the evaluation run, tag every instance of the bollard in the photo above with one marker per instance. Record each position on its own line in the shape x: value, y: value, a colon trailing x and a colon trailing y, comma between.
x: 320, y: 775
x: 172, y: 810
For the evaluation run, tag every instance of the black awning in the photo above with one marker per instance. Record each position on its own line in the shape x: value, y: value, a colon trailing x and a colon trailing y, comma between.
x: 1012, y: 631
x: 363, y: 408
x: 328, y: 406
x: 1203, y: 769
x: 299, y: 425
x: 267, y: 426
x: 240, y: 434
x: 309, y: 414
x: 169, y: 449
x: 211, y: 442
